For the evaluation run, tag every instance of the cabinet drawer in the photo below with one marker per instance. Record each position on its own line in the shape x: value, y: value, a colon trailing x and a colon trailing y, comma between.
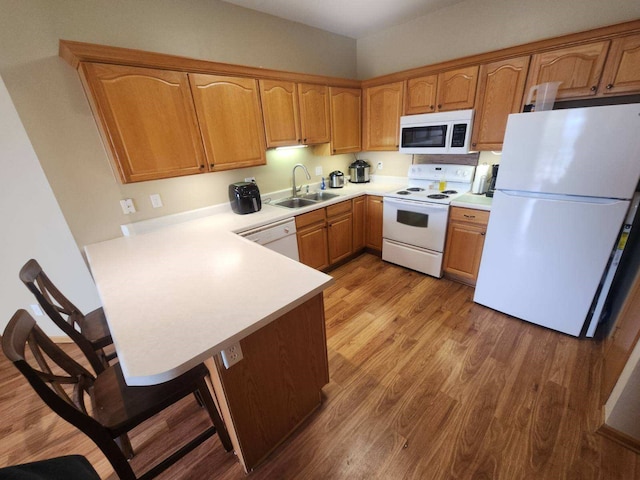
x: 339, y: 208
x: 470, y: 215
x: 310, y: 218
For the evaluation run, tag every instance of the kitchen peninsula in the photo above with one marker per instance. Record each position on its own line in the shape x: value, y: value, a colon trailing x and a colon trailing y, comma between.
x: 178, y: 296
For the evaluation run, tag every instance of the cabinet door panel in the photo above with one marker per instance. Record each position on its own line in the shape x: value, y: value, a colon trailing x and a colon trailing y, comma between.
x: 280, y: 112
x: 346, y: 125
x: 381, y: 117
x: 314, y: 113
x: 359, y: 206
x: 500, y: 91
x: 421, y: 95
x: 147, y: 120
x: 464, y: 250
x: 457, y: 89
x: 622, y: 71
x: 374, y: 222
x: 340, y: 236
x: 578, y: 68
x: 230, y: 120
x: 313, y: 247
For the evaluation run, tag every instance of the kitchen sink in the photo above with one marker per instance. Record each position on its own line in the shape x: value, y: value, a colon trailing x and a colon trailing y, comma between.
x: 319, y: 196
x: 305, y: 200
x: 296, y: 202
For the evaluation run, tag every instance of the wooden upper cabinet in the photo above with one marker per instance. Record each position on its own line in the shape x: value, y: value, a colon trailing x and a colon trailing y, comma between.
x: 622, y: 70
x: 578, y: 68
x: 346, y: 125
x: 230, y: 120
x: 295, y: 113
x: 146, y: 119
x: 280, y: 112
x: 421, y: 95
x: 450, y: 90
x: 500, y: 91
x: 381, y: 116
x: 457, y: 89
x: 314, y: 113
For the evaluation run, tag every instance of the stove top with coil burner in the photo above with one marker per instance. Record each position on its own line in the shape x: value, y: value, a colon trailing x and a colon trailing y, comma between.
x: 424, y: 180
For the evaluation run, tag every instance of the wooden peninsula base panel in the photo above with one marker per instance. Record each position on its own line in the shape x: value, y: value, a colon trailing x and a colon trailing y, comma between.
x: 277, y: 385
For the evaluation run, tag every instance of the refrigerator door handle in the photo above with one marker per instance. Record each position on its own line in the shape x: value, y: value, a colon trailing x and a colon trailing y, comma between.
x: 566, y: 198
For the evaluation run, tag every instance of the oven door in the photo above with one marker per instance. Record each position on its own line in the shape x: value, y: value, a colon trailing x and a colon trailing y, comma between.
x: 416, y: 223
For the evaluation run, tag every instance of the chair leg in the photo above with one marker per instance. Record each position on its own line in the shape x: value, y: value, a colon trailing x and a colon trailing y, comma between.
x: 125, y: 446
x: 210, y: 405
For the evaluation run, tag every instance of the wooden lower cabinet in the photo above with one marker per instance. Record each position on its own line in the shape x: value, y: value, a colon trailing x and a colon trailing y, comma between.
x: 465, y: 241
x: 313, y: 245
x: 329, y: 235
x: 339, y: 231
x: 359, y: 210
x: 373, y: 224
x: 268, y: 394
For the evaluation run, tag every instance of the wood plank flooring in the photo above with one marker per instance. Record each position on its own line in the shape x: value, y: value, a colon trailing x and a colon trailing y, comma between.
x: 425, y: 384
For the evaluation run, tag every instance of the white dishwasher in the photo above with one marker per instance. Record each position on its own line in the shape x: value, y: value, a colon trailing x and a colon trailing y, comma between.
x: 278, y: 236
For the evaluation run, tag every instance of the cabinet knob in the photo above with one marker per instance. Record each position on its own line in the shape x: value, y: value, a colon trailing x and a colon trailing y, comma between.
x: 473, y: 144
x: 483, y: 233
x: 201, y: 167
x: 305, y: 140
x: 469, y: 216
x: 610, y: 86
x: 594, y: 88
x: 211, y: 165
x: 431, y: 107
x: 439, y: 106
x: 334, y: 150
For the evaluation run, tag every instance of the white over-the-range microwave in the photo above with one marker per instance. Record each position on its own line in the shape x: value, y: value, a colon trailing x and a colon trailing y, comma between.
x: 438, y: 133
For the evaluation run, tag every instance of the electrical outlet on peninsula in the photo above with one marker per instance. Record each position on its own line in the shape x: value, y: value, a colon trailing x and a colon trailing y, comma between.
x: 232, y: 355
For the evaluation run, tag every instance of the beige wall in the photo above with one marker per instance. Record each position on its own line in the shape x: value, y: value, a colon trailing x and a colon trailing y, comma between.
x: 52, y: 106
x: 477, y: 26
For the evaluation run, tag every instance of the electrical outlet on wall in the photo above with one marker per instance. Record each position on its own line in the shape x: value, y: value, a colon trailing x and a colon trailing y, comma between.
x: 379, y: 166
x: 232, y: 355
x: 250, y: 179
x: 319, y: 170
x: 127, y: 206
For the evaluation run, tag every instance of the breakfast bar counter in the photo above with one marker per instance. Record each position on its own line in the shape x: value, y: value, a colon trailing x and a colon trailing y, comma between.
x: 178, y: 296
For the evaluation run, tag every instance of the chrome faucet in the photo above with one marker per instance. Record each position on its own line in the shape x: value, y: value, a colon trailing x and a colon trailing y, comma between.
x: 294, y: 189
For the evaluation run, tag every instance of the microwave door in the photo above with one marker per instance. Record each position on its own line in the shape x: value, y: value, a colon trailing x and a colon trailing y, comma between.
x: 425, y: 137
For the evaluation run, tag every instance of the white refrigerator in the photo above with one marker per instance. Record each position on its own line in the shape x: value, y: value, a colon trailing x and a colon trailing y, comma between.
x: 563, y: 190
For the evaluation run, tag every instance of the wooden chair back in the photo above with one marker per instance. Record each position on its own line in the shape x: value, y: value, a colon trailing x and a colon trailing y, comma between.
x: 60, y: 309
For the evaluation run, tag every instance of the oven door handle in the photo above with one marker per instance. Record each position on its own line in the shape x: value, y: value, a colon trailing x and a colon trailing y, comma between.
x: 423, y: 205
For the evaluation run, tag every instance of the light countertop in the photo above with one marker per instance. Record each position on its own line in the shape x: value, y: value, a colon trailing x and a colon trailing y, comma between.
x: 472, y: 200
x: 180, y: 288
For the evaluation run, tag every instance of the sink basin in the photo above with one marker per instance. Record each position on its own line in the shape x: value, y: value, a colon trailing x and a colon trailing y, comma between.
x: 295, y: 202
x: 320, y: 196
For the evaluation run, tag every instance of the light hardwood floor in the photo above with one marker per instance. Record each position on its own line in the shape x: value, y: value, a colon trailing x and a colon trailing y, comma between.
x: 425, y: 384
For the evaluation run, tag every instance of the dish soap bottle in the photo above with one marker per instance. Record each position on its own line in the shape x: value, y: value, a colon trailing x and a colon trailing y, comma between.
x: 323, y: 186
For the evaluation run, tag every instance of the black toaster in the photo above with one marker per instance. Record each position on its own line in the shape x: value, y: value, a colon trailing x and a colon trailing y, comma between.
x: 244, y: 197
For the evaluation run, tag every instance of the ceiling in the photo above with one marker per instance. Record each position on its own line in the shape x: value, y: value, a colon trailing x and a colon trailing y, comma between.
x: 352, y: 18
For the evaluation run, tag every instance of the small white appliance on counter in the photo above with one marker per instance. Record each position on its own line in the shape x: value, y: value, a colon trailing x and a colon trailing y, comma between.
x: 564, y: 189
x: 414, y: 225
x: 482, y: 179
x: 436, y: 133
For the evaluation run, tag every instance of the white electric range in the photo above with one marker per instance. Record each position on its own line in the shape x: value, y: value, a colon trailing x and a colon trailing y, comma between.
x: 415, y: 217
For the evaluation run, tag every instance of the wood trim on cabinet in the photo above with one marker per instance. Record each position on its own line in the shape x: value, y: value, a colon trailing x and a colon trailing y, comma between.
x: 76, y: 52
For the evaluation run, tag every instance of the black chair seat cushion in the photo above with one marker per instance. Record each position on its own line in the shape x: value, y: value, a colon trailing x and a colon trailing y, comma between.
x: 71, y: 467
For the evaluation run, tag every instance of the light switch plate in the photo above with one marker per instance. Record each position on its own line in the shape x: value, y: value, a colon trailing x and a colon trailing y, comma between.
x: 156, y: 201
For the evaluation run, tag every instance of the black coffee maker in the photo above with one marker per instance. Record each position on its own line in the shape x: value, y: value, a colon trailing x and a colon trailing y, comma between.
x: 492, y: 183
